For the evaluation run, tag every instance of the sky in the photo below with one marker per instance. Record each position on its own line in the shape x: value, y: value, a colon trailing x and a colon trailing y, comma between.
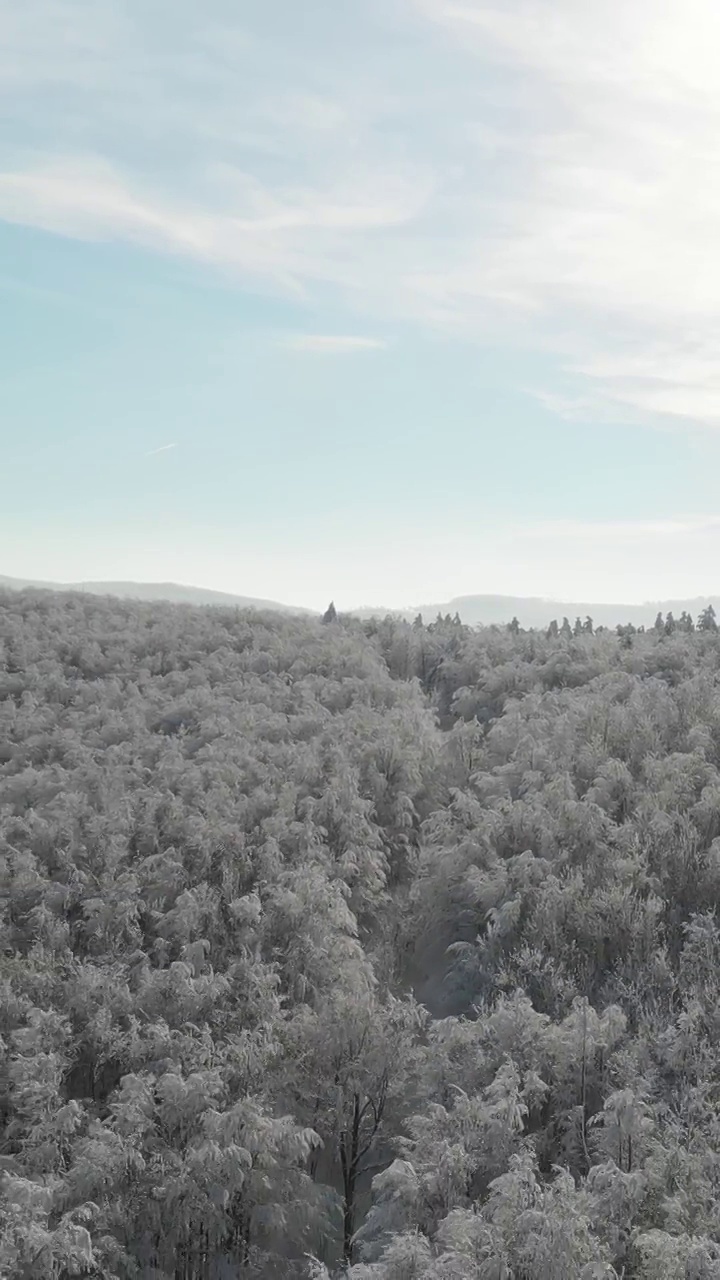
x: 385, y: 302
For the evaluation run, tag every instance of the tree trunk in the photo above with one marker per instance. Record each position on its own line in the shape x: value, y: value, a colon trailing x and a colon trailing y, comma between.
x: 349, y: 1156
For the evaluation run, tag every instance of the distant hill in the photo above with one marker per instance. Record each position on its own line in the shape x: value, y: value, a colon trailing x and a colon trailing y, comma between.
x: 170, y: 591
x: 534, y: 611
x: 481, y: 610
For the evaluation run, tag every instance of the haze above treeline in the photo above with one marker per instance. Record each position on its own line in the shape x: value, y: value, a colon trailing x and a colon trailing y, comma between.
x: 473, y: 610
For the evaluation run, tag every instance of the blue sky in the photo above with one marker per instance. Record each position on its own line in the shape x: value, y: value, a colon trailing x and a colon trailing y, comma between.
x: 387, y: 301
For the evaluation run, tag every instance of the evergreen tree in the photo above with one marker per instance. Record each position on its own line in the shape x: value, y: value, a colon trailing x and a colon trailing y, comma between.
x: 707, y: 620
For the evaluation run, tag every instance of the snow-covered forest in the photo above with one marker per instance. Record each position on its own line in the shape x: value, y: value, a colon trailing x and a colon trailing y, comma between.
x: 356, y: 948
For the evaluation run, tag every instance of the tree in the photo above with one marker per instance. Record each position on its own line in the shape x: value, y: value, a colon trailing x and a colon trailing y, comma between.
x: 358, y: 1062
x: 707, y: 620
x: 330, y: 614
x: 236, y: 849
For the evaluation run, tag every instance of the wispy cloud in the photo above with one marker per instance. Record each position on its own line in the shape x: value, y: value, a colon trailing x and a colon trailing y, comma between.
x: 634, y: 530
x: 288, y: 237
x: 89, y: 200
x: 611, y: 235
x: 333, y: 343
x: 162, y: 449
x: 542, y: 171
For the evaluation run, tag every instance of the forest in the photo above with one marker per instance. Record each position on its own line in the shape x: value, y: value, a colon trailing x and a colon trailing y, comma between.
x: 356, y: 948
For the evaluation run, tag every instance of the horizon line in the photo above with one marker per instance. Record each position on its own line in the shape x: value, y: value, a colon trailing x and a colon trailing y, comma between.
x: 50, y: 584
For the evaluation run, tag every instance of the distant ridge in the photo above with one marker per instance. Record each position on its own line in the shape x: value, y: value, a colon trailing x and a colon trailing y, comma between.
x: 535, y: 611
x: 173, y: 592
x: 474, y: 610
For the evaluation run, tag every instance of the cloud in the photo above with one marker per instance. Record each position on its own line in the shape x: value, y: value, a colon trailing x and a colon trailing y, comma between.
x: 289, y: 236
x: 620, y: 530
x: 162, y: 449
x: 90, y: 201
x: 612, y: 234
x: 542, y: 173
x: 333, y: 343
